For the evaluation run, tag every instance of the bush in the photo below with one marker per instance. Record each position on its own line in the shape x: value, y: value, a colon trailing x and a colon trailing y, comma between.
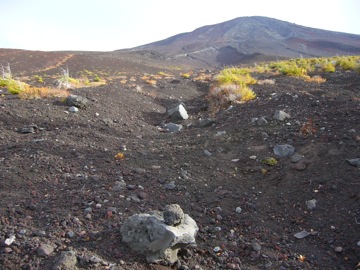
x: 347, y: 63
x: 221, y: 96
x: 328, y: 67
x: 239, y: 76
x: 292, y: 69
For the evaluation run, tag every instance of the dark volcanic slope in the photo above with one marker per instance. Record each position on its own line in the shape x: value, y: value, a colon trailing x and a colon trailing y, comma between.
x: 247, y: 38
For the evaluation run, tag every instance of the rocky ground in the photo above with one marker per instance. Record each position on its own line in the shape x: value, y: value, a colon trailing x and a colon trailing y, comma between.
x: 62, y: 189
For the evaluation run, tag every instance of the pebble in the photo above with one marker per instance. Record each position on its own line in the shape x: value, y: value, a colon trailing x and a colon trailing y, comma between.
x: 73, y: 109
x: 231, y: 265
x: 301, y: 234
x: 143, y: 195
x: 207, y: 153
x: 296, y: 157
x: 88, y: 216
x: 238, y: 210
x: 256, y: 246
x: 70, y: 234
x: 8, y: 250
x: 311, y: 204
x: 253, y: 157
x: 338, y: 249
x: 171, y: 185
x: 98, y: 205
x: 216, y: 249
x: 45, y: 250
x: 358, y: 243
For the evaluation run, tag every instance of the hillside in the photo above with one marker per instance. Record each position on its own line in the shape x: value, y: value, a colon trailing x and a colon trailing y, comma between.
x: 64, y: 189
x: 249, y: 39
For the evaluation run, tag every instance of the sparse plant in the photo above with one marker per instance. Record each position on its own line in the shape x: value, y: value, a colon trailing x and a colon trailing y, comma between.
x: 316, y: 78
x: 308, y: 128
x: 240, y: 76
x: 38, y: 79
x: 41, y: 92
x: 186, y: 75
x: 266, y: 81
x: 328, y: 67
x: 347, y: 63
x: 270, y: 161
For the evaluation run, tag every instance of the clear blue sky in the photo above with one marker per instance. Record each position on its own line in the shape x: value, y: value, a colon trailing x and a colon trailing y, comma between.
x: 104, y: 25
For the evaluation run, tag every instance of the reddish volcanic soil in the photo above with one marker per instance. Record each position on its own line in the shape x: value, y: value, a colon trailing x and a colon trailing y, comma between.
x: 57, y: 182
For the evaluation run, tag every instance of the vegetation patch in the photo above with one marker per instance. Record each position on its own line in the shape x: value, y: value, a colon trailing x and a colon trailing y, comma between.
x: 230, y: 86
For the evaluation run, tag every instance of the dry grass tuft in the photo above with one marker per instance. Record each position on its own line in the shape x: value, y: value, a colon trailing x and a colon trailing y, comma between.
x: 266, y: 81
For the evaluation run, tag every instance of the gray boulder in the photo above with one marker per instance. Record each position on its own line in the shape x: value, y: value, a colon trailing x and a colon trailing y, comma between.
x: 284, y: 150
x: 354, y: 162
x: 67, y: 260
x: 77, y: 101
x: 151, y: 234
x: 178, y: 113
x: 171, y: 127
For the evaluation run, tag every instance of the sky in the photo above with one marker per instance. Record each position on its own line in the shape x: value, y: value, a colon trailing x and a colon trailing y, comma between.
x: 106, y: 25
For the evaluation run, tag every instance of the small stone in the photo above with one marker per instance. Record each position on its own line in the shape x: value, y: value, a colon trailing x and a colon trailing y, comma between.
x: 301, y: 234
x: 311, y: 204
x: 173, y: 215
x: 296, y: 157
x: 143, y: 195
x: 262, y: 121
x: 338, y: 249
x: 73, y: 109
x: 139, y: 170
x: 358, y: 243
x: 70, y: 234
x: 88, y: 216
x: 231, y: 265
x: 284, y: 150
x: 238, y: 210
x: 9, y: 240
x: 171, y: 185
x: 354, y: 162
x: 256, y: 246
x: 172, y: 128
x: 300, y: 166
x: 98, y: 205
x: 281, y: 115
x: 45, y: 250
x: 88, y: 210
x: 8, y: 250
x: 220, y: 133
x: 207, y: 153
x: 253, y: 157
x: 217, y: 249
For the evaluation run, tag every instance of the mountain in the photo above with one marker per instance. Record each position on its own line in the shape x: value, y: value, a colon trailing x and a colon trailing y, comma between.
x: 247, y: 39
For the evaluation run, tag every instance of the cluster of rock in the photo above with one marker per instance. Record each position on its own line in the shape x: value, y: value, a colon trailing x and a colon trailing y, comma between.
x: 160, y: 235
x: 177, y: 113
x: 76, y: 102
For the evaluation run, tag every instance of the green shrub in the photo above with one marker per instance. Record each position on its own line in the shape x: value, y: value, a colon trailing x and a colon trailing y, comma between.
x: 328, y: 67
x: 239, y: 76
x: 347, y: 63
x: 270, y: 161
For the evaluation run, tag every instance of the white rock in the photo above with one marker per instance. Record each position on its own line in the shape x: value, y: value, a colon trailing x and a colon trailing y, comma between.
x: 73, y: 109
x: 281, y: 115
x: 238, y: 210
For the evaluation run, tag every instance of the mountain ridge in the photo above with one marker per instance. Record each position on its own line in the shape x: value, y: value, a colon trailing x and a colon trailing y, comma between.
x: 232, y: 41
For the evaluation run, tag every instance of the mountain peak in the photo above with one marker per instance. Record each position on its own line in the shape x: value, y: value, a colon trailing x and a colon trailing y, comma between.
x: 245, y: 38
